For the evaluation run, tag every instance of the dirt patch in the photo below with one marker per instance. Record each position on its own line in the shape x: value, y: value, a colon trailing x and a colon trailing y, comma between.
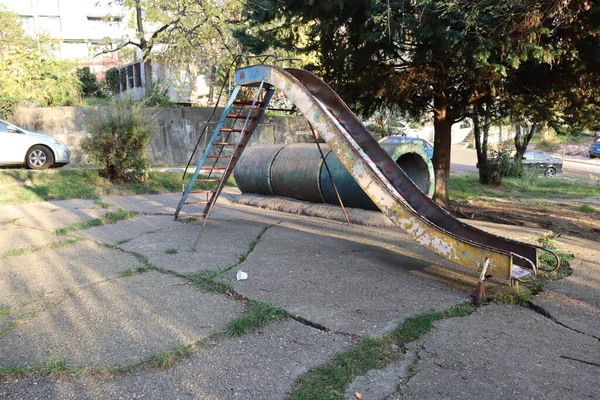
x: 559, y: 216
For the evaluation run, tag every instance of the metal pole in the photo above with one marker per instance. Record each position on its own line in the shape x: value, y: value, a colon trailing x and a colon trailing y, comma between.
x: 330, y: 176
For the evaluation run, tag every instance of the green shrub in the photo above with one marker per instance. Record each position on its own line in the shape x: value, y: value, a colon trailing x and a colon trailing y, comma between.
x: 111, y: 80
x: 159, y: 97
x: 501, y: 164
x: 119, y: 139
x: 89, y: 83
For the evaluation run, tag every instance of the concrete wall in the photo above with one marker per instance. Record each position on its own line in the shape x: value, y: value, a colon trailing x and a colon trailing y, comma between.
x: 176, y: 133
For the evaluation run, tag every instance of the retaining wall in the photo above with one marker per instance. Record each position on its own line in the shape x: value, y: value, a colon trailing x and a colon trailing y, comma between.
x: 177, y: 130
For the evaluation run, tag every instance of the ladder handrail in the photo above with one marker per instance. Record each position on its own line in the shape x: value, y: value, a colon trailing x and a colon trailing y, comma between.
x: 225, y: 176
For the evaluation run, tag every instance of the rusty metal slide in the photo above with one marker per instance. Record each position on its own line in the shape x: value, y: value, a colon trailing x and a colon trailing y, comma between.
x: 387, y: 185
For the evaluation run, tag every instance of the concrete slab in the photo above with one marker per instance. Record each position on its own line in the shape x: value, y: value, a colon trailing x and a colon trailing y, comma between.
x: 45, y: 275
x: 575, y: 300
x: 15, y: 237
x: 120, y: 322
x: 504, y: 352
x: 148, y: 203
x: 575, y: 314
x: 260, y: 365
x: 57, y: 218
x: 222, y: 243
x: 341, y: 277
x: 127, y: 229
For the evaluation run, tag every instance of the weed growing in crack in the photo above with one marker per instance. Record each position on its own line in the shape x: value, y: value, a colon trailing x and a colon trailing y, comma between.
x: 329, y: 381
x: 14, y: 372
x: 28, y: 250
x: 206, y: 280
x: 412, y: 370
x: 171, y: 251
x: 258, y: 315
x: 54, y: 366
x: 5, y: 310
x: 127, y: 272
x: 519, y: 296
x: 141, y: 269
x: 110, y: 217
x: 166, y: 359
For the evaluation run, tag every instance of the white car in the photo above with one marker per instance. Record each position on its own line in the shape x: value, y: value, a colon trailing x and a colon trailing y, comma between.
x: 19, y: 146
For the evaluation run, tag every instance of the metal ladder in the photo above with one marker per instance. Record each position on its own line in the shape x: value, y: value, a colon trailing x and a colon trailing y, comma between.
x: 218, y: 160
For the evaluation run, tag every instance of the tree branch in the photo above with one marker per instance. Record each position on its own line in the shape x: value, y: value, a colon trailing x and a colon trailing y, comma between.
x: 119, y: 47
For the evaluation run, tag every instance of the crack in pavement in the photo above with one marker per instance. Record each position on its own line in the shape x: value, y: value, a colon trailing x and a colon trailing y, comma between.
x: 545, y: 313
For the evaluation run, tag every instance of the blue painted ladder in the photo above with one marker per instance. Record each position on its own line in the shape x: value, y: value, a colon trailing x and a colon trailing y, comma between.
x: 239, y: 118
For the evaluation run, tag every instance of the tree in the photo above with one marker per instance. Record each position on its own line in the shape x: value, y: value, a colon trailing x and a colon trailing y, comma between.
x: 432, y: 57
x: 181, y: 33
x: 29, y: 71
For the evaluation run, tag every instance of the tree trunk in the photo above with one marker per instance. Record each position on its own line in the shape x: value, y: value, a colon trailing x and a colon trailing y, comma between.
x: 522, y: 138
x: 212, y: 84
x: 145, y: 48
x: 442, y: 144
x: 148, y: 77
x: 481, y: 149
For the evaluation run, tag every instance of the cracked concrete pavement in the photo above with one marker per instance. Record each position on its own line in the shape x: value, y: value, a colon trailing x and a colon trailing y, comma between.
x: 117, y: 295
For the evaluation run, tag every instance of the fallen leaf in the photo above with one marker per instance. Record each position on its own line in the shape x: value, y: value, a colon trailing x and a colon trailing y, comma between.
x: 358, y: 395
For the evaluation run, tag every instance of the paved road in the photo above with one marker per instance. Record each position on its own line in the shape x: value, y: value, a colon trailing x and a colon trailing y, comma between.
x: 464, y: 160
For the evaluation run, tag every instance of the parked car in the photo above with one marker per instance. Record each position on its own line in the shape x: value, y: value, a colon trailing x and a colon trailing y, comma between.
x: 19, y: 146
x: 404, y: 139
x: 595, y: 148
x: 538, y: 161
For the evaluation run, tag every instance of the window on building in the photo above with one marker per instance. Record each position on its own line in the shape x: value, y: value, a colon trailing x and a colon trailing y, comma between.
x: 123, y: 79
x: 137, y: 72
x: 130, y: 80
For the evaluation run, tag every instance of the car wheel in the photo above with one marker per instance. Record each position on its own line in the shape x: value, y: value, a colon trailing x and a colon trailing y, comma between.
x: 550, y: 172
x: 39, y: 157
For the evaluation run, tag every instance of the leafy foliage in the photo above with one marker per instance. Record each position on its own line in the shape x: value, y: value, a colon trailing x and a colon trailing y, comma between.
x: 111, y: 80
x: 159, y: 96
x: 443, y: 57
x: 119, y: 140
x: 89, y: 83
x: 29, y: 71
x: 502, y: 165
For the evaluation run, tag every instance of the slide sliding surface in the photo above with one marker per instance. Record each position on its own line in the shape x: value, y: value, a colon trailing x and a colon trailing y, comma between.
x: 384, y: 182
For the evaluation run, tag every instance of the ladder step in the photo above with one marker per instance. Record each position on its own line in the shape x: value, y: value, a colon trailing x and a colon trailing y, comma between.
x: 207, y: 180
x: 239, y: 116
x: 197, y: 202
x: 213, y: 169
x: 219, y: 157
x: 202, y: 191
x: 249, y: 102
x: 230, y: 130
x: 223, y: 144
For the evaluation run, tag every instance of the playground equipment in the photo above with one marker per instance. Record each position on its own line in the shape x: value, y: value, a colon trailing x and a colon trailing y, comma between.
x: 374, y: 170
x: 299, y: 171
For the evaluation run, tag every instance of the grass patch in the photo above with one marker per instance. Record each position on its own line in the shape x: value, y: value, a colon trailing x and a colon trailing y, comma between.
x: 5, y: 310
x: 258, y: 315
x: 171, y: 251
x: 27, y: 250
x: 127, y: 272
x: 206, y: 280
x: 467, y: 187
x: 69, y: 183
x: 587, y: 209
x: 329, y: 381
x: 109, y: 218
x: 166, y: 359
